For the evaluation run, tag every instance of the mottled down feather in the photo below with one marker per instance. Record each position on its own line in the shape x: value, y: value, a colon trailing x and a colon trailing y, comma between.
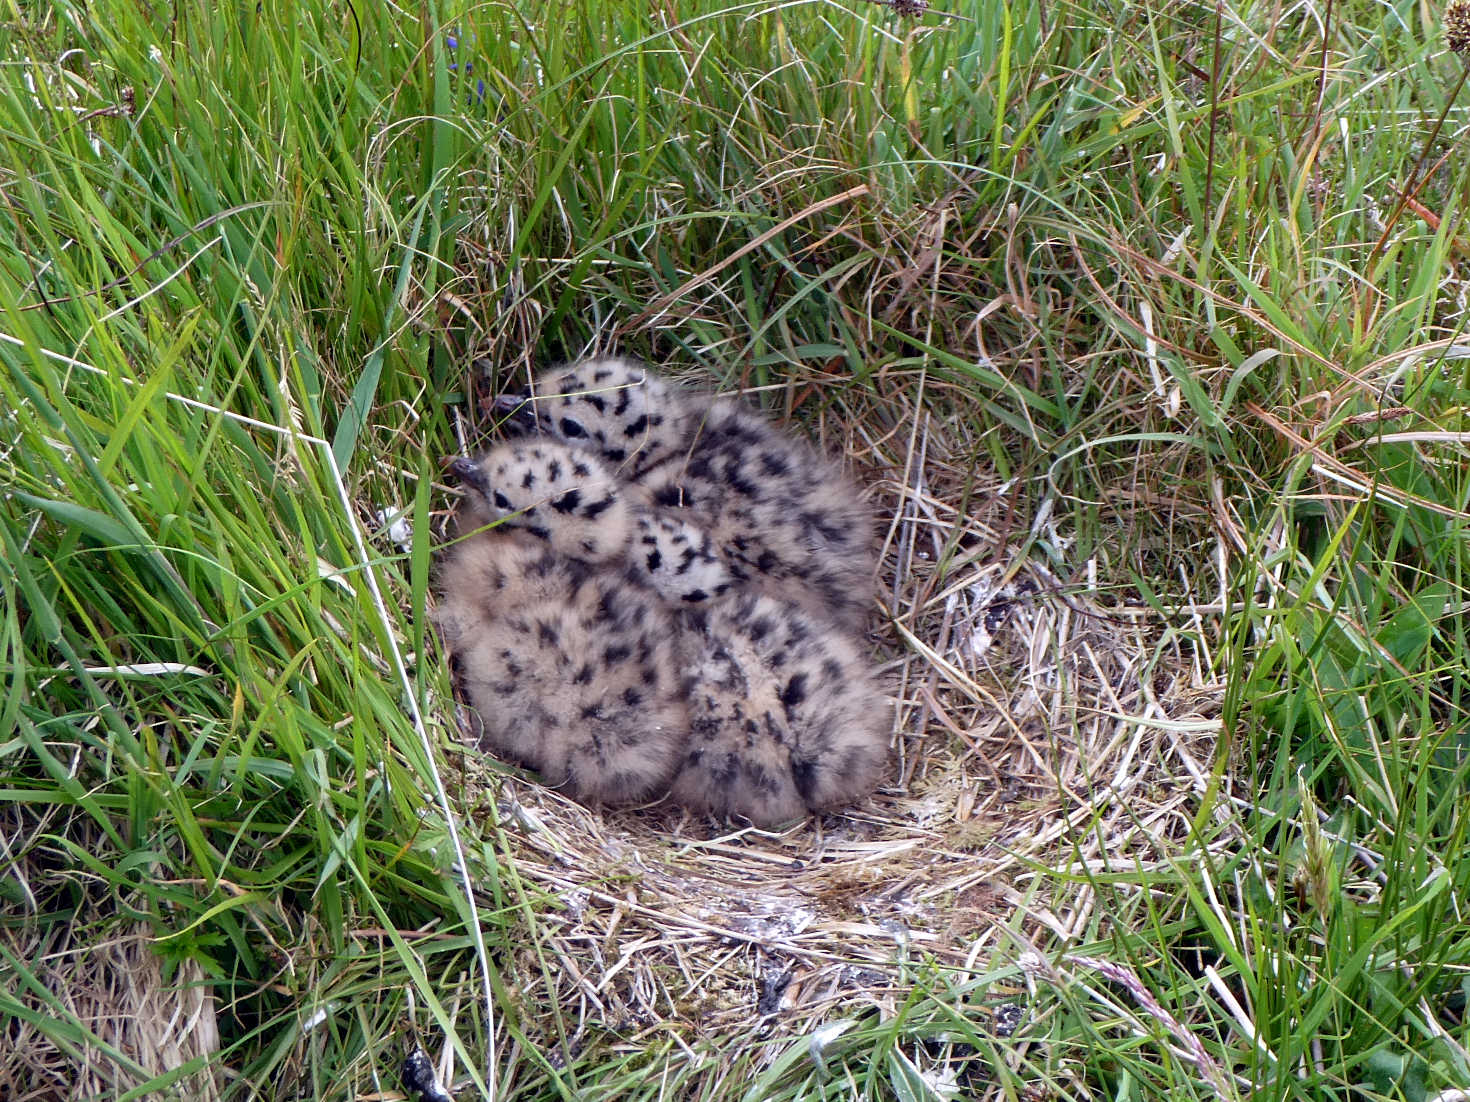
x: 784, y: 519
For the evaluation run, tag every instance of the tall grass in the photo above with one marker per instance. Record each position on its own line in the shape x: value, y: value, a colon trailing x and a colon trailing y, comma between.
x: 1157, y: 258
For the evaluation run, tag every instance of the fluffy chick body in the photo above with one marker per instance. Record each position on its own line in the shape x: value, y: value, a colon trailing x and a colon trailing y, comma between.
x: 613, y: 406
x: 785, y: 519
x: 785, y: 716
x: 568, y: 499
x: 570, y: 662
x: 586, y: 640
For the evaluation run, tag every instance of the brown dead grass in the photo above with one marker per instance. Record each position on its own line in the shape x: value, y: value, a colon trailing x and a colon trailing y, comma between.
x: 102, y: 972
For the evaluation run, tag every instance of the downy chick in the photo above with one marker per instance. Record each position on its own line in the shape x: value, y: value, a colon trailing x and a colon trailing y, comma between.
x: 568, y: 499
x: 613, y: 406
x: 782, y: 517
x: 782, y: 713
x: 785, y: 716
x: 570, y: 662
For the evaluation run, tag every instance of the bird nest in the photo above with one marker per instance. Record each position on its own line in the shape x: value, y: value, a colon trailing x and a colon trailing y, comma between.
x: 1037, y: 727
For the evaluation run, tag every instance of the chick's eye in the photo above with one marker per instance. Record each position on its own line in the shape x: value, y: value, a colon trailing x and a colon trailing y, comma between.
x: 571, y: 429
x: 501, y: 501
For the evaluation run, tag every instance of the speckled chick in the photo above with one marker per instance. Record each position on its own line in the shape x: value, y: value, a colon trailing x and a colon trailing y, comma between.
x: 562, y: 496
x: 567, y: 498
x: 785, y: 716
x: 782, y: 714
x: 785, y: 519
x: 572, y: 665
x: 616, y: 407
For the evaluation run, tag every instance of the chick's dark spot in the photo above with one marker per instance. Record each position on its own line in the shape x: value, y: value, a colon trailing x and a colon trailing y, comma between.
x: 794, y: 692
x: 804, y: 774
x: 744, y: 486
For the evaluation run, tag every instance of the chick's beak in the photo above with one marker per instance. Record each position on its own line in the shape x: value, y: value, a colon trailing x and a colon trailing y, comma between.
x: 517, y: 411
x: 467, y: 471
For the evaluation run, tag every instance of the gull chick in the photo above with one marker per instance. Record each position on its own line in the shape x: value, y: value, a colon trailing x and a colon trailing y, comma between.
x: 571, y: 665
x: 784, y: 519
x: 763, y: 712
x: 785, y: 717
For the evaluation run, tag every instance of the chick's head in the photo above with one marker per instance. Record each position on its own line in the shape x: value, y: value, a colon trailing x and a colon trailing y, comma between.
x: 613, y: 407
x: 556, y: 493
